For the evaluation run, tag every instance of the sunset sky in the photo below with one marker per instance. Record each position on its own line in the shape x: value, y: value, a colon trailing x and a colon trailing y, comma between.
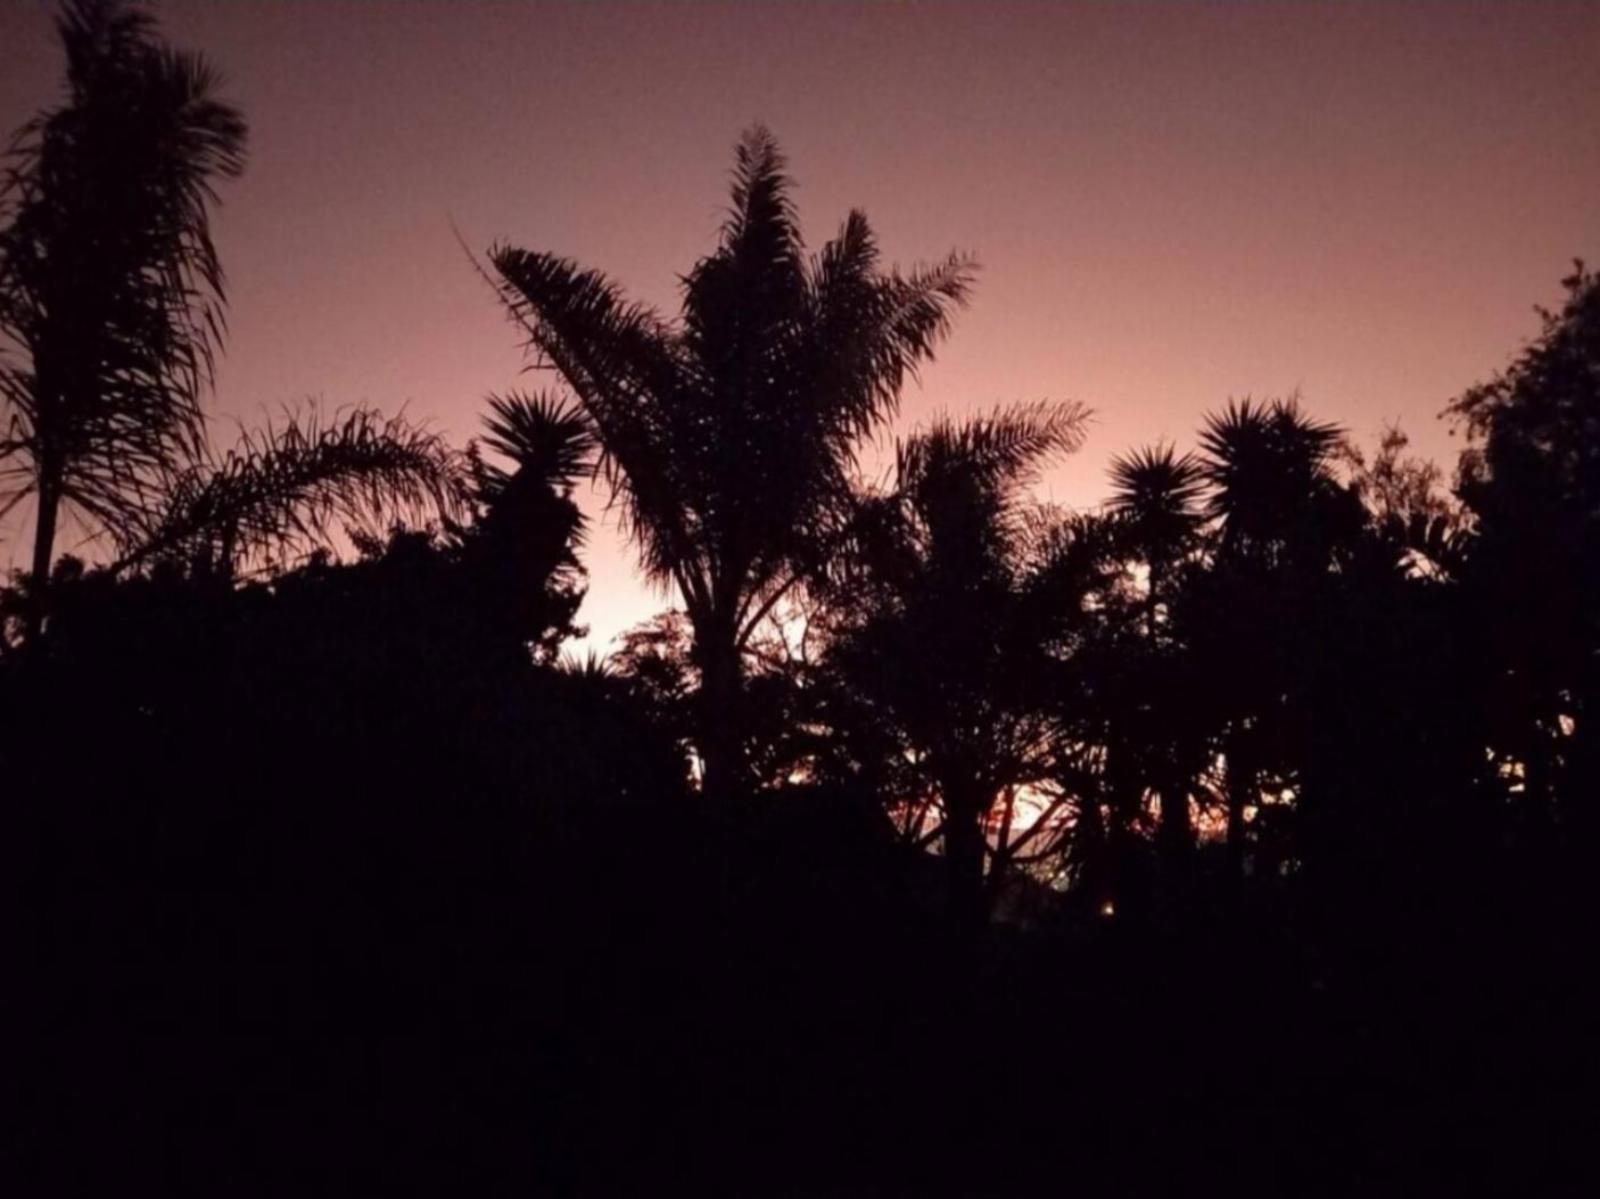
x: 1173, y: 204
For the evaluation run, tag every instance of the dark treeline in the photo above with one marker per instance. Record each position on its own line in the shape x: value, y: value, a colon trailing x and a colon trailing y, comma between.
x: 935, y: 840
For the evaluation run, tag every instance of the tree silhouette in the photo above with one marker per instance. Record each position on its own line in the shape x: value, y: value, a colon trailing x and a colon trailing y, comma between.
x: 522, y: 548
x: 111, y: 293
x: 1272, y: 486
x: 1282, y: 520
x: 730, y: 435
x: 1156, y: 495
x: 949, y: 600
x: 1530, y: 478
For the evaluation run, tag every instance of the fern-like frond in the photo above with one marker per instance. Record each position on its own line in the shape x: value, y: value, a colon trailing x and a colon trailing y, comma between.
x: 288, y: 487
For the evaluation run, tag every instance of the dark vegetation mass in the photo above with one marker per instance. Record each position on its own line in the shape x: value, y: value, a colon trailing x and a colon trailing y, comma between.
x: 1239, y: 832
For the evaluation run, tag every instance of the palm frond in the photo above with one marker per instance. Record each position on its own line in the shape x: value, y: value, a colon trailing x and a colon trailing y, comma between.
x: 1264, y: 462
x: 620, y: 361
x: 1070, y: 557
x: 871, y: 332
x: 290, y: 486
x: 592, y: 667
x: 1003, y: 450
x: 1158, y: 494
x: 762, y: 217
x: 959, y: 509
x: 1426, y: 545
x: 1155, y: 479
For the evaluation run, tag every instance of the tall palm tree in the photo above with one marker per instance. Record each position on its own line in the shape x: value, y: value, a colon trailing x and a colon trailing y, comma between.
x: 111, y: 294
x: 1157, y: 497
x: 1283, y: 523
x: 729, y: 435
x: 949, y: 598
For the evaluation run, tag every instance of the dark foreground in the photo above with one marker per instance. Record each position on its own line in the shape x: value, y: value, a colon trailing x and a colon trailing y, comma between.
x: 286, y: 1007
x: 461, y: 938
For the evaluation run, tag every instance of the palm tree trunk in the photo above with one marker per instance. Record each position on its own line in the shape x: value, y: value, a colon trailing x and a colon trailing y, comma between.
x: 721, y: 741
x: 1158, y: 572
x: 1123, y: 792
x: 44, y: 542
x: 1176, y: 833
x: 1175, y: 844
x: 963, y: 854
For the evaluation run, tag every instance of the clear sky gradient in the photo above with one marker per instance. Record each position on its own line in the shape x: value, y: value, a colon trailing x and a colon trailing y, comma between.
x: 1173, y: 204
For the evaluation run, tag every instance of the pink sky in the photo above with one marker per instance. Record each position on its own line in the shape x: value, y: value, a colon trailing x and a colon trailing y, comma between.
x: 1173, y: 204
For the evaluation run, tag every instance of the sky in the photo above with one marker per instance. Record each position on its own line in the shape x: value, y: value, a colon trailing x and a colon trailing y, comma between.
x: 1173, y: 204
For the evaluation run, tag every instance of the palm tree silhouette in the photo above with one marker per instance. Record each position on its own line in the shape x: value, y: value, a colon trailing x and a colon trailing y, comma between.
x: 729, y: 436
x: 1157, y: 499
x: 1157, y: 495
x: 1273, y: 492
x: 1282, y: 521
x: 111, y: 293
x: 951, y: 595
x: 522, y: 547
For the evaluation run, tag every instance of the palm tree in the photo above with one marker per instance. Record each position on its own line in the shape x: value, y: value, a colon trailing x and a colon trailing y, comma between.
x: 1283, y: 523
x: 547, y: 439
x: 111, y: 293
x: 1156, y: 498
x: 1273, y: 491
x: 1157, y: 495
x: 949, y: 599
x: 521, y: 550
x: 729, y: 436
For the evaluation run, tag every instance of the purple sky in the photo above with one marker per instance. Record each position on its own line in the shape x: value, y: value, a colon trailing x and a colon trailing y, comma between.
x: 1173, y: 204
